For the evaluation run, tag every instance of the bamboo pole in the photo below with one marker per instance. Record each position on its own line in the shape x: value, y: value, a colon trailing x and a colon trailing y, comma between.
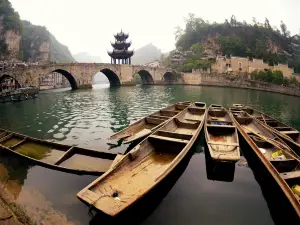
x: 276, y: 143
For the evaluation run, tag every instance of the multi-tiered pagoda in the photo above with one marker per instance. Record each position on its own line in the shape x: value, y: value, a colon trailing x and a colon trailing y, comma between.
x: 121, y: 54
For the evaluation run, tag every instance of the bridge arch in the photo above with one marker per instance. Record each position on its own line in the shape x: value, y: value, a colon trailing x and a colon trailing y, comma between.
x: 146, y: 77
x: 16, y: 84
x: 69, y: 77
x: 113, y: 78
x: 170, y: 78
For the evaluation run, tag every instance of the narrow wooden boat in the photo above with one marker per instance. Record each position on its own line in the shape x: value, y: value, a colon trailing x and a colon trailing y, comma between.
x: 54, y: 155
x: 280, y: 161
x: 146, y: 165
x: 221, y: 135
x: 149, y: 124
x: 288, y: 134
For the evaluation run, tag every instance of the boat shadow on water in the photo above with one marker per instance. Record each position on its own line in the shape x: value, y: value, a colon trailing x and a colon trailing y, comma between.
x: 138, y: 212
x: 280, y: 208
x: 218, y: 171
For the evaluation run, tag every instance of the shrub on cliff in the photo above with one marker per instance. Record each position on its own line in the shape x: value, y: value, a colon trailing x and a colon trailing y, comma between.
x: 275, y: 77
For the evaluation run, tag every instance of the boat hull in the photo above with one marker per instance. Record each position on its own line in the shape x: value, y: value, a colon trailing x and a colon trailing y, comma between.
x: 221, y: 135
x: 143, y: 168
x: 65, y: 158
x: 271, y: 170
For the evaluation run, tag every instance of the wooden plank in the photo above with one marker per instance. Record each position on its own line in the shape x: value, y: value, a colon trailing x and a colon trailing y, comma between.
x: 187, y: 125
x: 64, y: 156
x: 225, y: 126
x: 154, y: 120
x: 21, y: 142
x: 290, y: 175
x: 118, y: 158
x: 289, y: 132
x: 173, y: 135
x: 6, y: 137
x: 168, y: 112
x: 169, y: 139
x: 222, y: 143
x: 160, y: 117
x: 3, y: 134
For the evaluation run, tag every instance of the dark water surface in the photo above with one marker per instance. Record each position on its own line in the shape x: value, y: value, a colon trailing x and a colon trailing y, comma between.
x: 89, y: 117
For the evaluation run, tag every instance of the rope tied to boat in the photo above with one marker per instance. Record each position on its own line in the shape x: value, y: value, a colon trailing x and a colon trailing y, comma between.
x: 114, y: 193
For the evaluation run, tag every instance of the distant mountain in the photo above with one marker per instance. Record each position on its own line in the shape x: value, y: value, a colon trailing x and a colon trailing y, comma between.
x: 59, y: 52
x: 86, y: 57
x: 146, y: 54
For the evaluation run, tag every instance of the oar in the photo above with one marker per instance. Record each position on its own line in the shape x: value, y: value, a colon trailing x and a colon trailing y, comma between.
x: 276, y: 143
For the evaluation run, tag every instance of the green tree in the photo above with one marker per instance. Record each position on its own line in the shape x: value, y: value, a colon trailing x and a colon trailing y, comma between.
x: 198, y: 50
x: 232, y: 45
x: 284, y: 30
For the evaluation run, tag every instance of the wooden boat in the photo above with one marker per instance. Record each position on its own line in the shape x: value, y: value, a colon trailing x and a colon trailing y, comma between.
x: 149, y: 124
x: 221, y: 135
x: 54, y: 155
x: 146, y: 165
x: 288, y: 134
x: 280, y: 161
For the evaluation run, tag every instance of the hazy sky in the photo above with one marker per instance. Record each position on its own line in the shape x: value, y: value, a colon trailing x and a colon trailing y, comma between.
x: 89, y: 25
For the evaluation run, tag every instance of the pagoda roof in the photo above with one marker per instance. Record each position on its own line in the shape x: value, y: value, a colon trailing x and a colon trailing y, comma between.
x: 120, y: 54
x: 119, y: 45
x: 121, y: 36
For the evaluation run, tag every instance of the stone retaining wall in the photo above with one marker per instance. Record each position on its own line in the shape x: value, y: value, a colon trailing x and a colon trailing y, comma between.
x: 224, y: 80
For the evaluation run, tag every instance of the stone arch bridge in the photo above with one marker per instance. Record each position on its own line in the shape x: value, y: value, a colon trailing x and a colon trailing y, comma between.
x: 80, y: 75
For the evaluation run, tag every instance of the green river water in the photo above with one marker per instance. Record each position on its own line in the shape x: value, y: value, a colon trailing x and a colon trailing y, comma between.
x: 88, y: 117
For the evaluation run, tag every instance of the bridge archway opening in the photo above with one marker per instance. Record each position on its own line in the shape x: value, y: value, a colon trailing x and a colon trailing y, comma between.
x: 146, y: 77
x: 8, y: 83
x: 100, y: 80
x: 112, y: 77
x: 67, y: 75
x: 170, y: 78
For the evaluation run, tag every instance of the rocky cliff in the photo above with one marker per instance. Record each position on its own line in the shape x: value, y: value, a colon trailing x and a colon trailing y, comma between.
x: 21, y: 40
x: 10, y: 31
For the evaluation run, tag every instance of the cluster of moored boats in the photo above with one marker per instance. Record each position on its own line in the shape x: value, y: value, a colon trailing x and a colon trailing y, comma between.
x: 166, y: 137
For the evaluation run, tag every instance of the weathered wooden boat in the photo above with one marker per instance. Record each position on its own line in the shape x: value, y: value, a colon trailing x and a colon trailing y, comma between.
x: 149, y: 124
x: 280, y: 161
x: 146, y: 165
x: 221, y: 135
x: 288, y: 134
x: 56, y: 156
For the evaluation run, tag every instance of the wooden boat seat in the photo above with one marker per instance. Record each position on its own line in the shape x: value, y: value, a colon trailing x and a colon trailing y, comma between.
x: 155, y: 121
x: 160, y: 117
x: 167, y: 113
x: 176, y: 135
x: 282, y: 128
x: 170, y: 139
x: 222, y: 143
x: 192, y: 120
x: 290, y: 175
x: 187, y: 125
x: 225, y: 126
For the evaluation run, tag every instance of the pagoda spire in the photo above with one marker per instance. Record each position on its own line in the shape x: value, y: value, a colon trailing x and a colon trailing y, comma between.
x: 120, y: 53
